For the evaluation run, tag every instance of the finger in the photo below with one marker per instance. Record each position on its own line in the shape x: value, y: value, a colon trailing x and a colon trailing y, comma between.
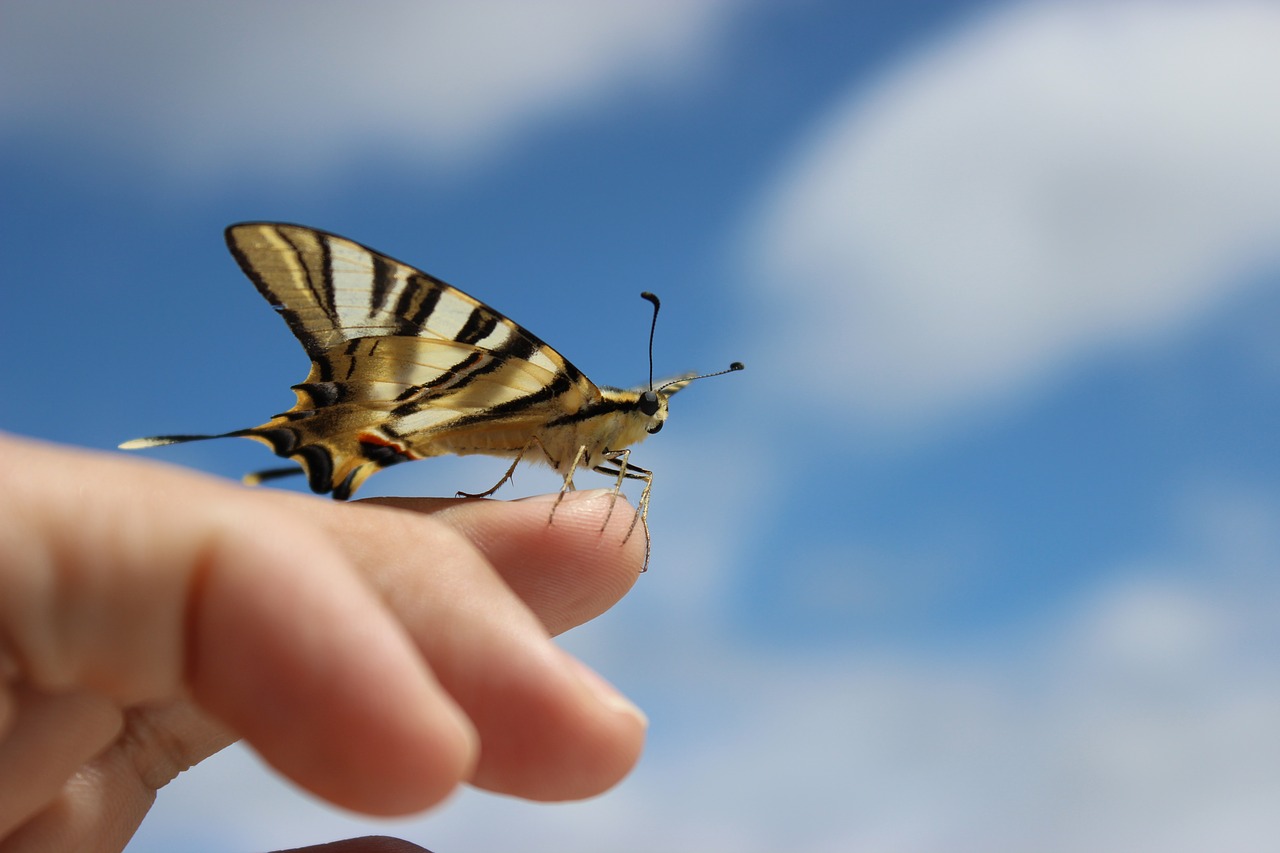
x: 324, y: 648
x: 368, y: 844
x: 102, y: 803
x: 135, y: 596
x: 48, y: 738
x: 97, y: 810
x: 550, y: 729
x: 568, y: 568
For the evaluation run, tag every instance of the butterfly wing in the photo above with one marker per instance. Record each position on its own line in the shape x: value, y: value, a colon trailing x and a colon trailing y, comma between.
x: 404, y: 366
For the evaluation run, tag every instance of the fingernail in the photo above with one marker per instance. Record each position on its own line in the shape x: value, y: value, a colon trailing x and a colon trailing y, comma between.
x: 604, y: 692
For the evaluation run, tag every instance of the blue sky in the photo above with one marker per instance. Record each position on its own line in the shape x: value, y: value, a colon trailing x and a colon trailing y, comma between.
x: 979, y: 554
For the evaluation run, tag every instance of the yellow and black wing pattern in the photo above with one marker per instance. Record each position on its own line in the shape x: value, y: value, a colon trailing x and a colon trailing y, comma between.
x: 404, y: 367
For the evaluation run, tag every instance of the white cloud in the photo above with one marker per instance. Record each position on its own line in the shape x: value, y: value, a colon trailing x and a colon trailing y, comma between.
x: 297, y: 86
x: 1056, y: 180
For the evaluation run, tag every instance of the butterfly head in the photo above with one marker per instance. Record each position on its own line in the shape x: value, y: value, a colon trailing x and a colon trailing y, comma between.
x: 651, y: 404
x: 653, y: 407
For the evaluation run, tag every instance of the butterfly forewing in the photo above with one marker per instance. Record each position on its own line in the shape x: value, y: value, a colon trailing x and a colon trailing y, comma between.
x: 332, y: 290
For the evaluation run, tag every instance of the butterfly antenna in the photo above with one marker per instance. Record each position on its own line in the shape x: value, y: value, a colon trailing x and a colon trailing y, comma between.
x: 737, y: 365
x: 653, y: 326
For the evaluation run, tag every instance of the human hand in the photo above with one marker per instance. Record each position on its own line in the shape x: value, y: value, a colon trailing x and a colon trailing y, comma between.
x: 375, y: 655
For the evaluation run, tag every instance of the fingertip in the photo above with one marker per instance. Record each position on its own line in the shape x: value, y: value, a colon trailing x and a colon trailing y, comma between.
x: 620, y: 728
x: 576, y: 738
x: 569, y: 566
x: 605, y: 693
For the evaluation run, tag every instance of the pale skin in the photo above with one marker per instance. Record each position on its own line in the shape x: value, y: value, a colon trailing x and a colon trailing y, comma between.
x: 379, y: 653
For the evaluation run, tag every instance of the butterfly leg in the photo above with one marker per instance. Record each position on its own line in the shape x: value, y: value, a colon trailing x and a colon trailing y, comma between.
x: 618, y: 458
x: 623, y: 470
x: 568, y: 485
x: 508, y: 476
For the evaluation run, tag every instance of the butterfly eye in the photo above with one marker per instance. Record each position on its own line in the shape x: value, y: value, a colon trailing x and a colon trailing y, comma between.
x: 648, y: 404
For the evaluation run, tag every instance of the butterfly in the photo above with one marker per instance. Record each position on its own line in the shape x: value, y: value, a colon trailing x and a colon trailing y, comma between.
x: 405, y: 367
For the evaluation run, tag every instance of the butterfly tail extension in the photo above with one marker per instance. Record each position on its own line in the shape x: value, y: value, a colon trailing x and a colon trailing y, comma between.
x: 162, y: 441
x: 280, y: 441
x: 327, y: 471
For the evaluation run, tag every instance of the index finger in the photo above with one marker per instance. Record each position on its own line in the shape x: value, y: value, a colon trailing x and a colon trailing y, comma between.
x: 568, y: 568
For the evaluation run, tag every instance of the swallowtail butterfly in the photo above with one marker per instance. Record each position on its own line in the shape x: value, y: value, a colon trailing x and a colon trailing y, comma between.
x: 404, y: 366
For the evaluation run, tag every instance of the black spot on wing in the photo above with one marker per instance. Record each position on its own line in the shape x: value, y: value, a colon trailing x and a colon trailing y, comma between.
x: 383, y: 278
x: 283, y: 440
x: 411, y: 318
x: 342, y: 491
x: 352, y: 347
x: 516, y: 347
x: 260, y: 281
x: 383, y: 455
x: 454, y: 378
x: 480, y: 324
x: 323, y: 393
x: 323, y: 366
x: 323, y: 289
x: 319, y: 464
x: 550, y: 391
